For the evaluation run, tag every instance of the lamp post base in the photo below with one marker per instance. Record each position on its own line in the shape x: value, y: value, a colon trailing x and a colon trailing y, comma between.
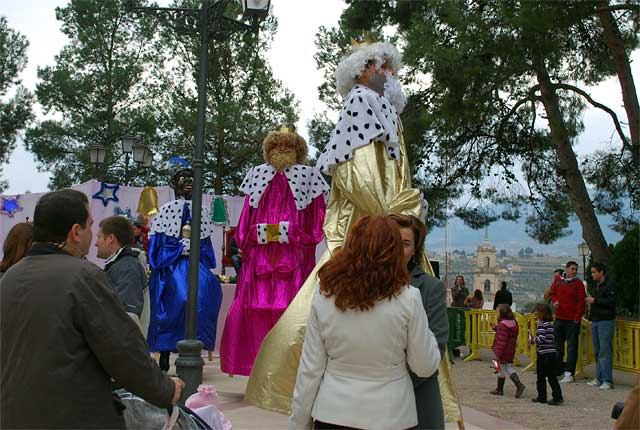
x: 189, y: 366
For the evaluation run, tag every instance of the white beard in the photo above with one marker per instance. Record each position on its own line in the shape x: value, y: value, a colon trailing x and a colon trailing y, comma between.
x: 393, y: 92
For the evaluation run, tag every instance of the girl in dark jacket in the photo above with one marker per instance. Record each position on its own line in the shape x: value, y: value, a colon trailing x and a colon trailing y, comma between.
x: 504, y: 348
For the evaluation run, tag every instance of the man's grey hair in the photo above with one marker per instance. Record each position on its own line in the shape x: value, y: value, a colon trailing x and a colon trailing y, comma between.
x: 352, y: 65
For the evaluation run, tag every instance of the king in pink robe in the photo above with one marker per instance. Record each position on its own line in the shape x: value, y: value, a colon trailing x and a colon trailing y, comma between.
x: 272, y: 272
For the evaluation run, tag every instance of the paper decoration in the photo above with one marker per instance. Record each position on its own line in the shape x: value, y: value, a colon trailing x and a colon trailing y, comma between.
x: 107, y: 193
x: 10, y: 205
x: 219, y: 211
x: 148, y: 203
x: 118, y: 211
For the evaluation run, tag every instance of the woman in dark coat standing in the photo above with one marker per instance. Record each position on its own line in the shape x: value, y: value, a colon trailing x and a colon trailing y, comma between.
x: 433, y: 292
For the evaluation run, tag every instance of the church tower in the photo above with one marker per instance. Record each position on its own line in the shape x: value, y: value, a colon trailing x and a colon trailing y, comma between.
x: 485, y: 275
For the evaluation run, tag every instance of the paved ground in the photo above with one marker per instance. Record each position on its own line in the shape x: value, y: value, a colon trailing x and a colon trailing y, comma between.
x: 585, y: 408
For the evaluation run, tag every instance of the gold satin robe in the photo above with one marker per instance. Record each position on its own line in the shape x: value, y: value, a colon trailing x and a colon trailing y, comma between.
x: 368, y: 184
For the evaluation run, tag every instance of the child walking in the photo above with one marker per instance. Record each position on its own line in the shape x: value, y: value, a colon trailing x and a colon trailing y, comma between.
x: 547, y: 361
x: 504, y: 348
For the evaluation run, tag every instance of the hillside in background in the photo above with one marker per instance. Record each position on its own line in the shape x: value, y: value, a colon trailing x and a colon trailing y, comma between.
x: 511, y: 236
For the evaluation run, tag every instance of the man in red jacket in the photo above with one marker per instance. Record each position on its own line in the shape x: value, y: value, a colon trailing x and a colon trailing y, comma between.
x: 567, y: 296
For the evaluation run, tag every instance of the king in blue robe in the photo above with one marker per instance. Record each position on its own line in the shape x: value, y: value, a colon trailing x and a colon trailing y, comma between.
x: 169, y: 260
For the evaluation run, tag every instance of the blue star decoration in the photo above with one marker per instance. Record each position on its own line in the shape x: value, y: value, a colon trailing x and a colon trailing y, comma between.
x: 10, y: 205
x: 107, y: 192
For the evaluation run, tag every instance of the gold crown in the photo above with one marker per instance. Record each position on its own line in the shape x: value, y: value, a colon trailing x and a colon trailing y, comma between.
x: 367, y: 39
x: 285, y: 129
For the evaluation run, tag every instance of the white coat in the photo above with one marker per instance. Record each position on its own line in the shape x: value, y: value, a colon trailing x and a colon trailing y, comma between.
x: 353, y: 369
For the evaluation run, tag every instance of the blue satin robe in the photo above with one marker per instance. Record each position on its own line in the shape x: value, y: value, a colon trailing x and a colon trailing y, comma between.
x: 168, y: 291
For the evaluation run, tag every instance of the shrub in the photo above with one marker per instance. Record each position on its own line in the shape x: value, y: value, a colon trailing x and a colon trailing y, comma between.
x: 625, y: 270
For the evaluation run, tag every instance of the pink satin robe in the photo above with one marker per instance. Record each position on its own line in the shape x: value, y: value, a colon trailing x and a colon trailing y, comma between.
x: 271, y: 273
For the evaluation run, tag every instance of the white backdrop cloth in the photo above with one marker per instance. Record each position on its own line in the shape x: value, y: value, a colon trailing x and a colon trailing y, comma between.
x: 128, y: 200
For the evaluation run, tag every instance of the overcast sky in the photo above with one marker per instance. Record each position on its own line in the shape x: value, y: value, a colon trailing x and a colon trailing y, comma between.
x: 298, y: 22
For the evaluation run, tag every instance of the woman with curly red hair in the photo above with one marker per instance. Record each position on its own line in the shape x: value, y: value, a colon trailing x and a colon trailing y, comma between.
x: 366, y: 328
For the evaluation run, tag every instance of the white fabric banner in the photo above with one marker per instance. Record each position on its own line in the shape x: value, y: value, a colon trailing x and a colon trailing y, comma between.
x: 128, y: 199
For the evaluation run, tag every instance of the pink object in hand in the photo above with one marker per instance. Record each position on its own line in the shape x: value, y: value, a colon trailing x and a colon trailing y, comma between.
x: 205, y: 396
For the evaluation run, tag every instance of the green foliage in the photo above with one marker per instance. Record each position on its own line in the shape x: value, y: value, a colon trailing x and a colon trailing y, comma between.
x: 244, y: 101
x: 525, y: 252
x: 15, y: 111
x: 476, y: 217
x: 320, y: 128
x: 98, y: 90
x: 626, y: 273
x: 527, y: 308
x: 617, y: 185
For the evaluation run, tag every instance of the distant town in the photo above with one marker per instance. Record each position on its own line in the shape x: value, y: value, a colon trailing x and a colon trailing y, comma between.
x: 526, y: 272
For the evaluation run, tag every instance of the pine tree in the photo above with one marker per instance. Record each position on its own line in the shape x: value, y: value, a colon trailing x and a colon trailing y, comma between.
x: 244, y: 102
x: 15, y: 111
x: 98, y: 91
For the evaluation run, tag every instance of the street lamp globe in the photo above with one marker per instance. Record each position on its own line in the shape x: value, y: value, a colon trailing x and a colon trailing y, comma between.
x: 255, y: 8
x: 127, y: 143
x: 97, y: 153
x: 139, y: 151
x: 583, y: 249
x: 148, y: 158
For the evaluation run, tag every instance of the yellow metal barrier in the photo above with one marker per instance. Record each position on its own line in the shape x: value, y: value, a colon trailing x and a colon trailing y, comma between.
x: 626, y: 340
x: 585, y: 348
x: 528, y: 324
x: 479, y: 333
x: 626, y: 346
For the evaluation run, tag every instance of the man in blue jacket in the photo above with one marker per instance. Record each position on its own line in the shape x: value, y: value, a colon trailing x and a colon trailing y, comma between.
x: 603, y: 325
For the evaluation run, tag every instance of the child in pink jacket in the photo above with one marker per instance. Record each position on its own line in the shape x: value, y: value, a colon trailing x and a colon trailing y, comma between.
x: 504, y: 348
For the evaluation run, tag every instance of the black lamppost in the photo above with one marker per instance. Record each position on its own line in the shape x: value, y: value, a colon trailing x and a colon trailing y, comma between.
x: 208, y: 22
x: 583, y: 250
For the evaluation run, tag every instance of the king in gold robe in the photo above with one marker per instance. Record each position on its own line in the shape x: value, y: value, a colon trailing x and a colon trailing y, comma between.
x: 367, y: 160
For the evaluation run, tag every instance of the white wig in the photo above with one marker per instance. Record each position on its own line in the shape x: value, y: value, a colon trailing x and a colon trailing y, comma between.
x: 352, y: 65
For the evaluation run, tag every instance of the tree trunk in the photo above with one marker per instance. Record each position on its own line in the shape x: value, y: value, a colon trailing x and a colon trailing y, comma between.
x: 623, y: 69
x: 568, y: 166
